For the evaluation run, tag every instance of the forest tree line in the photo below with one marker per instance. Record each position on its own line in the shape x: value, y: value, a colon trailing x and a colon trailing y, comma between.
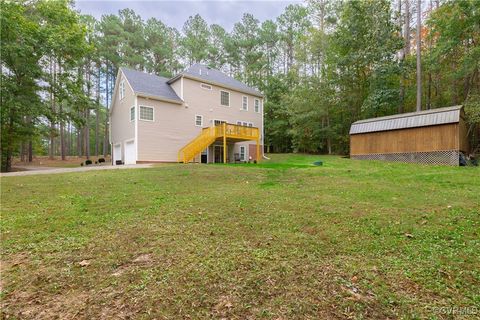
x: 322, y: 65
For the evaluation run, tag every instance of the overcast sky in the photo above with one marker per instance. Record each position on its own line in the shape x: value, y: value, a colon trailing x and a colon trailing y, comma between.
x: 174, y: 13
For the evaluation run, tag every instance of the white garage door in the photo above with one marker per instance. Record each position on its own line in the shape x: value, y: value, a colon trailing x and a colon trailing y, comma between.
x: 117, y: 153
x: 130, y: 153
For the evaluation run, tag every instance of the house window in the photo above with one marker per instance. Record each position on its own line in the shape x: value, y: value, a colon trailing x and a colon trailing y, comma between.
x: 122, y: 89
x: 245, y: 124
x: 218, y: 122
x: 205, y: 86
x: 245, y: 103
x: 199, y: 121
x: 132, y: 113
x: 242, y: 153
x: 257, y: 105
x: 239, y: 123
x: 146, y: 113
x: 250, y: 124
x: 225, y: 98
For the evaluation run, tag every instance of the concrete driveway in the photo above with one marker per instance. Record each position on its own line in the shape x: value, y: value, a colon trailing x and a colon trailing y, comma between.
x: 49, y: 170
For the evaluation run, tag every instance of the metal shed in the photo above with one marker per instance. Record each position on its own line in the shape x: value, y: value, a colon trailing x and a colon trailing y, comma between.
x: 434, y: 136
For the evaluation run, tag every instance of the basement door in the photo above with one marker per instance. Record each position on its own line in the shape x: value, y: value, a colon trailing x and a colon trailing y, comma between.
x: 130, y: 153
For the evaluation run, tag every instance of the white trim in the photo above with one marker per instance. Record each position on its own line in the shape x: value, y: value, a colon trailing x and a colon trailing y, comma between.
x: 259, y: 105
x: 139, y: 113
x: 213, y: 121
x: 201, y: 117
x: 241, y: 108
x: 115, y: 88
x: 125, y: 149
x: 242, y: 123
x: 146, y: 96
x: 245, y: 156
x: 205, y: 84
x: 218, y: 84
x: 122, y: 89
x: 136, y: 127
x: 114, y: 156
x: 263, y: 131
x: 229, y: 98
x: 181, y: 88
x: 134, y: 113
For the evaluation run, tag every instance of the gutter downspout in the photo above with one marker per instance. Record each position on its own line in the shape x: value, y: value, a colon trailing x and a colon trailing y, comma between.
x: 263, y: 132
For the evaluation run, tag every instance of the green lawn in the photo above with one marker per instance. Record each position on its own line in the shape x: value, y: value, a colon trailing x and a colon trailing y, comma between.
x: 279, y: 240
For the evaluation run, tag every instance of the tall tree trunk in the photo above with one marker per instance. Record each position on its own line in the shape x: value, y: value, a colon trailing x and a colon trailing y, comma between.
x: 30, y: 150
x: 87, y: 111
x: 406, y: 35
x: 86, y: 135
x: 97, y: 111
x: 79, y: 137
x: 52, y: 106
x: 22, y: 151
x: 62, y: 135
x: 428, y: 98
x: 406, y: 28
x: 105, y: 138
x: 419, y: 55
x: 71, y: 152
x: 62, y: 124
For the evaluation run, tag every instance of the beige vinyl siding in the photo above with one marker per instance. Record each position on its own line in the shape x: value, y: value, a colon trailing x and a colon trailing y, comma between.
x: 174, y: 125
x: 177, y: 87
x: 207, y: 103
x: 172, y: 128
x: 122, y: 129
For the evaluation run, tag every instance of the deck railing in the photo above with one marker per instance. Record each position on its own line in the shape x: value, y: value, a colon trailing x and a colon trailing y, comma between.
x: 210, y: 134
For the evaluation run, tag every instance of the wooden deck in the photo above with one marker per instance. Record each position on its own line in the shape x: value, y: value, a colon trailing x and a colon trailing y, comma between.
x: 225, y: 132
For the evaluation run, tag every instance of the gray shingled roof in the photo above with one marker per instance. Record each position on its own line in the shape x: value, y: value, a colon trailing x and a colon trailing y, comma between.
x: 211, y: 75
x: 408, y: 120
x: 149, y: 84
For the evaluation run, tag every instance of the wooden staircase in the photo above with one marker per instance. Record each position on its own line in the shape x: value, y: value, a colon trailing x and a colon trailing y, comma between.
x: 223, y: 132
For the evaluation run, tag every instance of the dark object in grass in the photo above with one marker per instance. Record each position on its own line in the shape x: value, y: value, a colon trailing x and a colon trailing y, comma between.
x: 318, y: 163
x: 81, y: 164
x: 255, y: 161
x: 88, y: 162
x: 96, y: 162
x: 118, y: 162
x: 101, y: 160
x: 474, y: 162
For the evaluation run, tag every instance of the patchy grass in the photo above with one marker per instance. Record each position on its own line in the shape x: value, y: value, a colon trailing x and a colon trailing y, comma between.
x: 279, y: 240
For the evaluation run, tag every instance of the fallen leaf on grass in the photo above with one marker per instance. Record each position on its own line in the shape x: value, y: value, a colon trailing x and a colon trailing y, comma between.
x: 84, y: 263
x: 143, y: 258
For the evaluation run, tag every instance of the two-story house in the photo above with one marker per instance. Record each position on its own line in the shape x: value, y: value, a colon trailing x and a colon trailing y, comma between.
x: 200, y: 115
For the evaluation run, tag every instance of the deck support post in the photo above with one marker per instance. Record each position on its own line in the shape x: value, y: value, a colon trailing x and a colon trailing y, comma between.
x: 258, y: 150
x: 224, y: 142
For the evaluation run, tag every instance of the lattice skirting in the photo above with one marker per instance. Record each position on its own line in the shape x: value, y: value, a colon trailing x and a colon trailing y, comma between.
x: 448, y: 157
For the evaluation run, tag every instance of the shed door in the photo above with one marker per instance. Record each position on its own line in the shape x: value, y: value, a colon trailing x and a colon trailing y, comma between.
x: 130, y: 153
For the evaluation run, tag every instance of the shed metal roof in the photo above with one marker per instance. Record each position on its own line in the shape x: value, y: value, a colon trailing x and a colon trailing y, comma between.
x: 210, y: 75
x: 150, y: 84
x: 408, y: 120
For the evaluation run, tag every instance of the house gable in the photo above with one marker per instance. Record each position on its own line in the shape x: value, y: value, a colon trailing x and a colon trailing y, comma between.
x: 212, y: 76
